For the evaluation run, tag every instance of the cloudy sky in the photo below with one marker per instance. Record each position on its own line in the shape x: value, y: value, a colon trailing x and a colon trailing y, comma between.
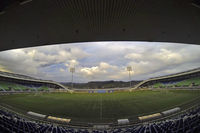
x: 99, y: 61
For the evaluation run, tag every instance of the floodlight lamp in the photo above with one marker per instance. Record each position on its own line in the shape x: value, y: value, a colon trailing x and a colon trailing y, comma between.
x: 129, y: 68
x: 72, y: 69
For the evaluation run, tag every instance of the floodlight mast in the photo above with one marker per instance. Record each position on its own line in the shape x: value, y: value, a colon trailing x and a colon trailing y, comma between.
x: 72, y: 70
x: 129, y: 69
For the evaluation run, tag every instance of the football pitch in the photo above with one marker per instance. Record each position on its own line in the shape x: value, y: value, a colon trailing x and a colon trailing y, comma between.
x: 107, y: 107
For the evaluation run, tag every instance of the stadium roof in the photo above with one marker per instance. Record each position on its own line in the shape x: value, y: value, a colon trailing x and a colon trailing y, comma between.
x: 16, y: 75
x: 27, y: 23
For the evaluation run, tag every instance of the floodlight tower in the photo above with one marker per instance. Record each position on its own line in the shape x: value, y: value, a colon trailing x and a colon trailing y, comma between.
x: 72, y: 70
x: 129, y: 69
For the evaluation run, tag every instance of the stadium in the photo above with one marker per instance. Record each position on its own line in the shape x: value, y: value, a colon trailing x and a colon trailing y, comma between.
x: 21, y: 97
x: 158, y: 103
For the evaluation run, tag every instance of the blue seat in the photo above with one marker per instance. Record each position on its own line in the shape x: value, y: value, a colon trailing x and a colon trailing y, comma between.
x: 187, y: 122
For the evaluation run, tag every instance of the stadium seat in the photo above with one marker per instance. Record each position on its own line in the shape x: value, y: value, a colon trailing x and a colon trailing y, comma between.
x: 188, y: 122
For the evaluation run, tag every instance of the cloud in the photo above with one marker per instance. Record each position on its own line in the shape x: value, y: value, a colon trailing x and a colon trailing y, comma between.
x: 133, y: 56
x: 18, y: 60
x: 3, y: 69
x: 104, y: 71
x: 96, y: 71
x: 72, y: 63
x: 164, y: 60
x: 62, y: 70
x: 101, y: 60
x: 31, y: 61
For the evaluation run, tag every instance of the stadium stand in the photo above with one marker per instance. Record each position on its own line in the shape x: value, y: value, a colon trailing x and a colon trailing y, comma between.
x: 189, y: 82
x: 13, y: 87
x: 18, y: 82
x: 8, y: 86
x: 193, y: 82
x: 190, y: 78
x: 188, y: 122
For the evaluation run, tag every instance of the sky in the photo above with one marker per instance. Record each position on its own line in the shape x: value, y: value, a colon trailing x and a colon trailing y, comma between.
x: 101, y: 61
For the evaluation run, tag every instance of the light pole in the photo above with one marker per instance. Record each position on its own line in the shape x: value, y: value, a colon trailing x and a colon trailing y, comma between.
x: 129, y: 69
x: 72, y: 70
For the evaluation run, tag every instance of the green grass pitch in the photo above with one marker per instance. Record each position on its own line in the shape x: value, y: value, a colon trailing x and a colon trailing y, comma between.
x: 85, y: 107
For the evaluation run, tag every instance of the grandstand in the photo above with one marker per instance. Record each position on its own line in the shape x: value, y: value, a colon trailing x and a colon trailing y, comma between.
x: 11, y: 82
x: 190, y: 78
x: 186, y: 122
x: 6, y: 86
x: 192, y: 83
